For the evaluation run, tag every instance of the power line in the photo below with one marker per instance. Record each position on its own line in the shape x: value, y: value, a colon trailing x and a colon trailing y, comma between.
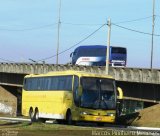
x: 81, y: 24
x: 67, y: 23
x: 134, y: 20
x: 127, y: 21
x: 28, y: 29
x: 74, y: 44
x: 7, y: 60
x: 133, y: 30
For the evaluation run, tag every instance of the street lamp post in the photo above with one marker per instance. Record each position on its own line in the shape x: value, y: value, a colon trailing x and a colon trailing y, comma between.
x: 153, y: 18
x: 108, y: 46
x: 59, y: 23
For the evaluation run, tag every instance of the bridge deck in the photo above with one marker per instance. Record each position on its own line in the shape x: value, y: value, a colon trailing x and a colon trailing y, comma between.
x: 120, y: 74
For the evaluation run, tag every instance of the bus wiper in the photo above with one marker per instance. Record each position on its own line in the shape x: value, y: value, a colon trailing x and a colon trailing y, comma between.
x: 96, y: 104
x: 105, y: 102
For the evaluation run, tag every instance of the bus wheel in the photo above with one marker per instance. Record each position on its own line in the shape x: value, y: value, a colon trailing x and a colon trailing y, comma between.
x: 36, y: 115
x: 31, y: 114
x: 69, y: 118
x: 42, y: 120
x: 60, y: 121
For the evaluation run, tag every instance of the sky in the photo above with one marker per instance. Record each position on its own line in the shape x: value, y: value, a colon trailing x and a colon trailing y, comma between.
x: 29, y: 29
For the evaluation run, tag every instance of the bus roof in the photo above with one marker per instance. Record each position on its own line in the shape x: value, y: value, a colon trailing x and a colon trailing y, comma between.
x: 70, y: 72
x: 91, y: 46
x: 97, y: 46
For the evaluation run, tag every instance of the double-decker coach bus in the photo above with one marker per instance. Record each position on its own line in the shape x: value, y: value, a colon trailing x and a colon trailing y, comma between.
x: 95, y: 55
x: 70, y: 96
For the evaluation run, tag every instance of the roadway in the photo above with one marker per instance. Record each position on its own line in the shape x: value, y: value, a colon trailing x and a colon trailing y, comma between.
x: 108, y: 129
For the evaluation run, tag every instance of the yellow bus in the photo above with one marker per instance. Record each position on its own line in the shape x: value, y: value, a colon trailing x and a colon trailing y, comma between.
x: 70, y: 96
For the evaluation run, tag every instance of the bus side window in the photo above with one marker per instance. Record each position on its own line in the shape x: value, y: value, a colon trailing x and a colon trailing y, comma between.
x: 25, y: 85
x: 47, y: 83
x: 38, y: 84
x: 75, y: 91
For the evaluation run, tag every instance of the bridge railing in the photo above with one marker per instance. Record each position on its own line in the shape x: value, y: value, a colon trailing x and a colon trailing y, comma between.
x: 121, y: 74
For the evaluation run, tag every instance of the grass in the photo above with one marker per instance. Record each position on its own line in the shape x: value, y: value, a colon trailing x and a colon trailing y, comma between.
x: 42, y: 129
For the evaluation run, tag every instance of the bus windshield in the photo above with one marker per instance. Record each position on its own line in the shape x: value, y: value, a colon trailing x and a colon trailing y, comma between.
x: 98, y: 93
x: 119, y: 50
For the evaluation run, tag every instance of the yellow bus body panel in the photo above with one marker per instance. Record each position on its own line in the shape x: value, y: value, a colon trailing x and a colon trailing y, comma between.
x: 53, y: 104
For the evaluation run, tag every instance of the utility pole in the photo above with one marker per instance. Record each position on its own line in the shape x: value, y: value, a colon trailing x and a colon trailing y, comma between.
x: 153, y: 19
x: 108, y: 46
x: 59, y: 23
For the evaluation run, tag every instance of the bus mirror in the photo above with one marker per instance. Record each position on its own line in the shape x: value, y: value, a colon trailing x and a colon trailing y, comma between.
x: 120, y: 93
x: 71, y: 54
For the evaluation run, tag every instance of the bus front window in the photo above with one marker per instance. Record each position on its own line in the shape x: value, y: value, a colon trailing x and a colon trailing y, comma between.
x: 98, y: 93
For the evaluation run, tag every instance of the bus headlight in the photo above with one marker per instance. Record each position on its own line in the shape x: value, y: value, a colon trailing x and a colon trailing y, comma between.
x: 110, y: 114
x: 84, y: 113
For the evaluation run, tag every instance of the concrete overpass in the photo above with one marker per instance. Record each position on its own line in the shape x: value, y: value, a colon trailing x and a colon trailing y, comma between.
x: 8, y: 72
x: 137, y: 83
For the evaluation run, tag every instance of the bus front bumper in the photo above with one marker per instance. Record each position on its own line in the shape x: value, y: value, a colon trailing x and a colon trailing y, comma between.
x: 96, y: 118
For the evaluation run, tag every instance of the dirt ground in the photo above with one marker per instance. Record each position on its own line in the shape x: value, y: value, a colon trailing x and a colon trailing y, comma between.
x: 148, y: 117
